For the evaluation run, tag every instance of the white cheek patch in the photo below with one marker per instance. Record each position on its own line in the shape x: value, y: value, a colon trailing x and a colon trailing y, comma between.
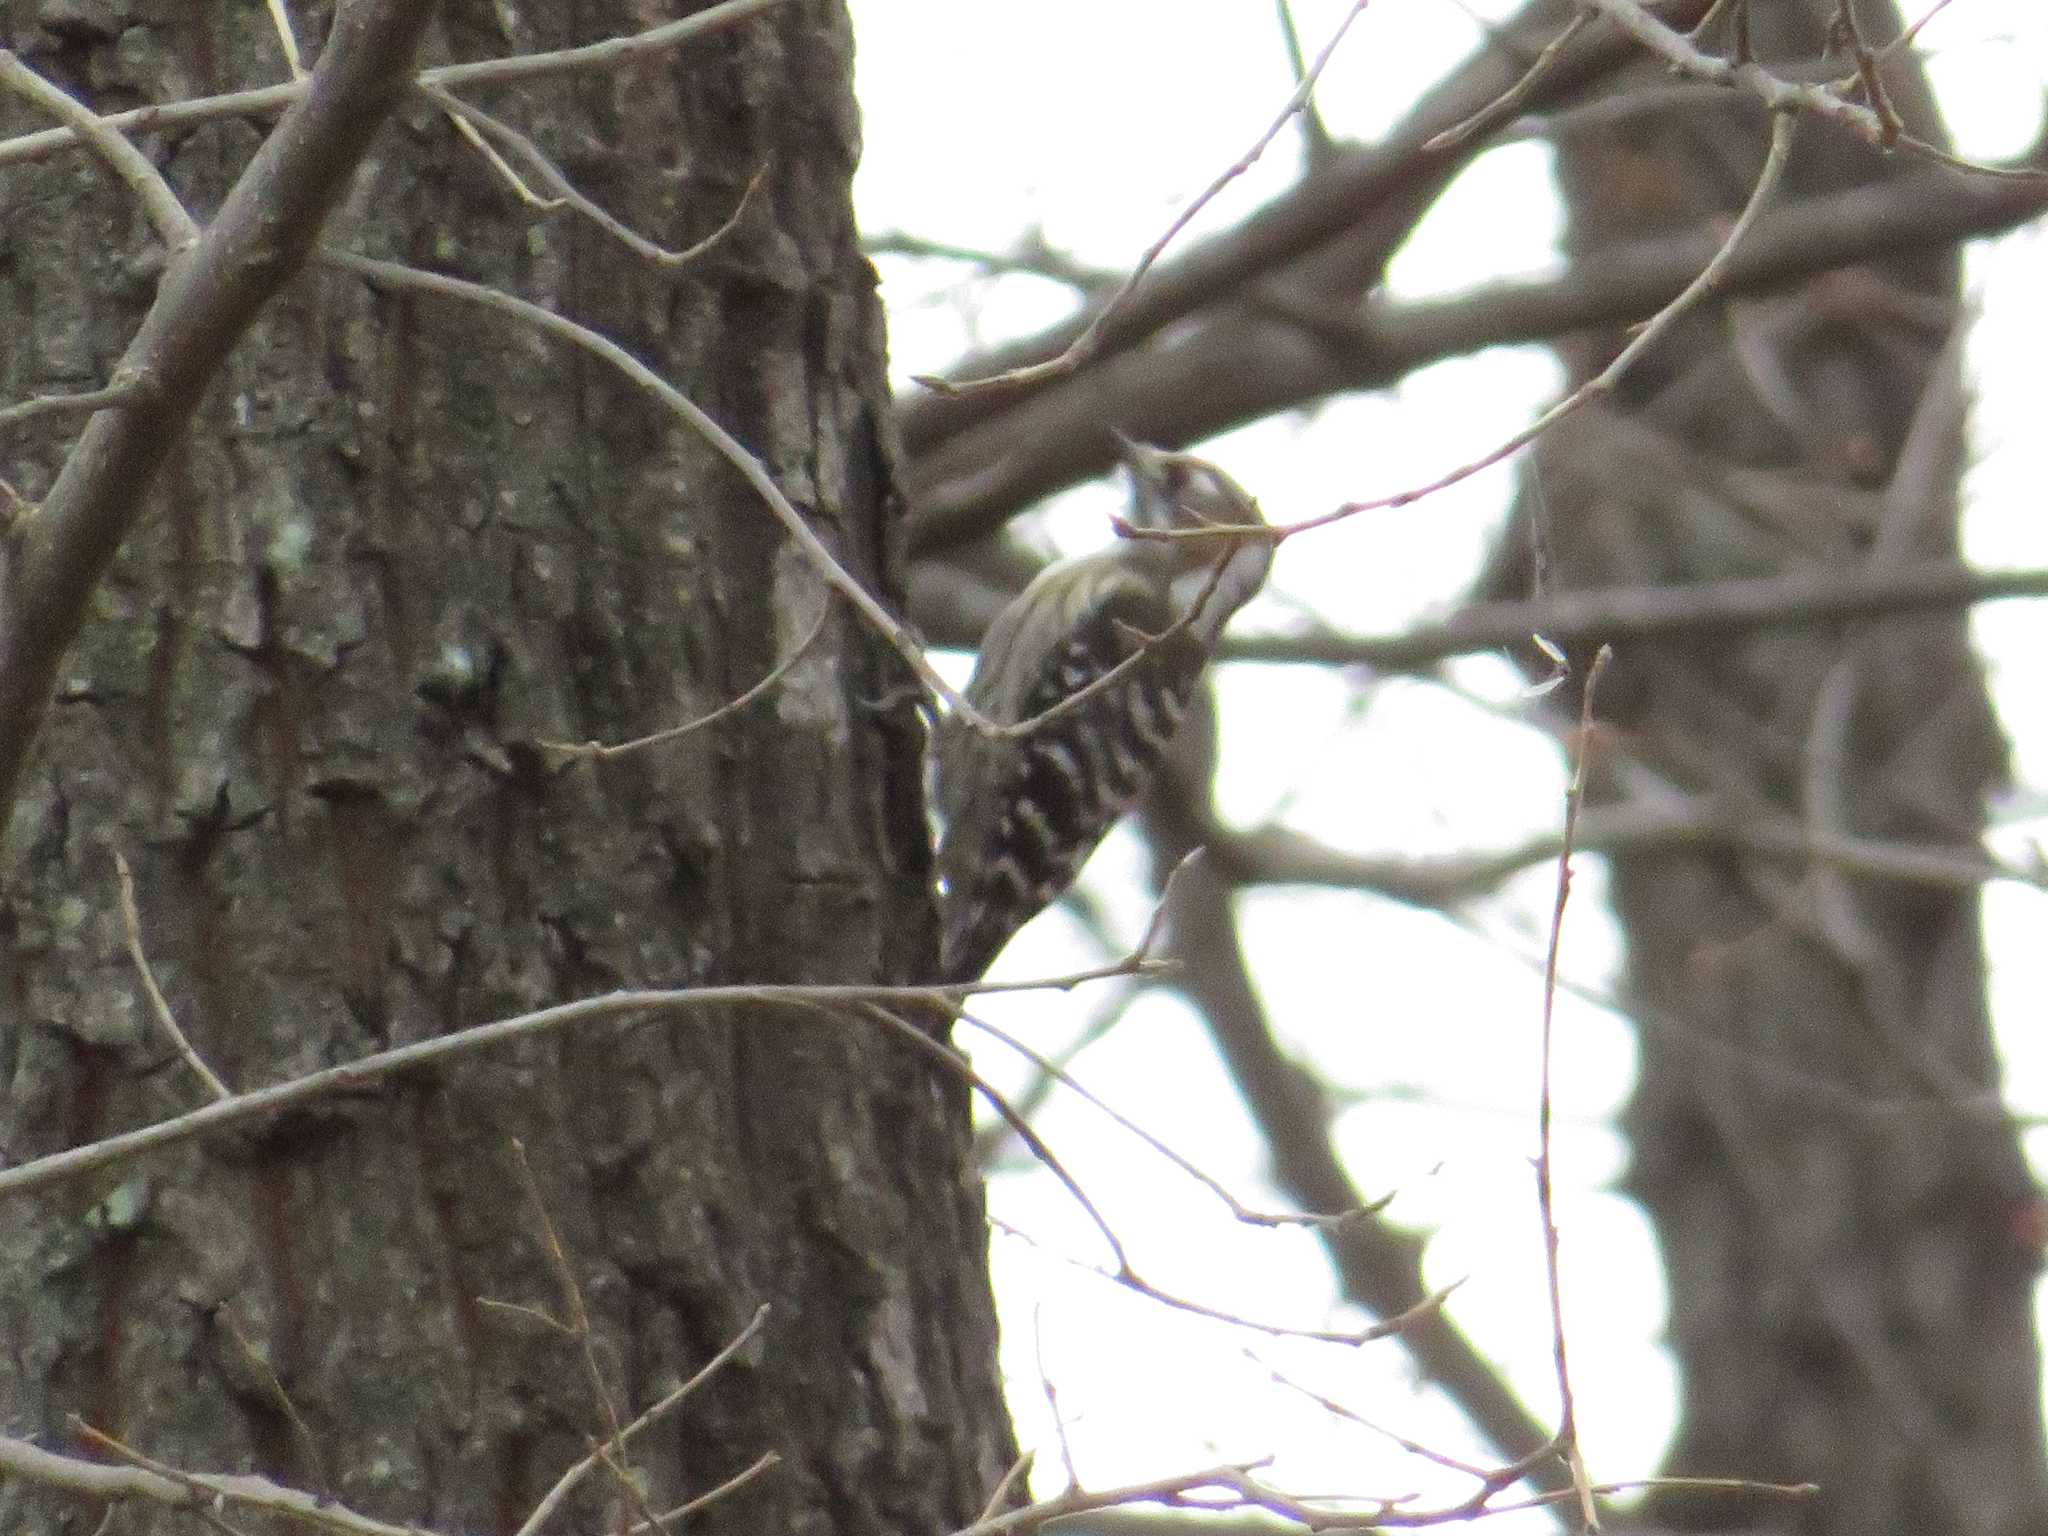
x: 1221, y: 596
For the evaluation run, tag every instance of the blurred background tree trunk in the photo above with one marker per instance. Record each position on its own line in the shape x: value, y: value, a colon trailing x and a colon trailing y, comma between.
x: 1849, y: 1232
x: 407, y: 542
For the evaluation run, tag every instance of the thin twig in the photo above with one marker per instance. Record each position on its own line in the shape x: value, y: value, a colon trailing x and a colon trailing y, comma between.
x: 42, y: 1172
x: 174, y: 226
x: 1078, y: 1501
x: 1875, y: 96
x: 1567, y: 1441
x: 765, y: 1462
x: 1604, y: 382
x: 282, y: 23
x: 1332, y: 1406
x: 1509, y: 102
x: 1238, y: 1209
x: 388, y: 274
x: 109, y: 397
x: 260, y: 1366
x: 566, y: 1483
x: 1052, y: 1394
x: 1317, y: 144
x: 1906, y: 38
x: 471, y: 135
x: 1083, y: 347
x: 990, y: 1142
x: 631, y: 1493
x: 611, y: 1451
x: 1031, y: 257
x: 477, y: 125
x: 1666, y: 1485
x: 1125, y: 1273
x: 147, y: 1478
x: 1650, y: 612
x: 596, y: 751
x: 1016, y: 1477
x: 1781, y: 95
x: 159, y: 1006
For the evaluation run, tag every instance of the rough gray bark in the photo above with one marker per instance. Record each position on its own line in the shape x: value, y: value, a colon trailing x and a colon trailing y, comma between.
x: 404, y: 544
x: 1816, y: 1131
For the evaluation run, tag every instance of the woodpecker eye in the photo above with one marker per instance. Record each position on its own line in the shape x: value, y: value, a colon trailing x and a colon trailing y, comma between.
x: 1184, y: 491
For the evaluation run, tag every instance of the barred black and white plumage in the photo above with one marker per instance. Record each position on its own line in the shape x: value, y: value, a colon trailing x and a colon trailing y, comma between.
x: 1021, y: 815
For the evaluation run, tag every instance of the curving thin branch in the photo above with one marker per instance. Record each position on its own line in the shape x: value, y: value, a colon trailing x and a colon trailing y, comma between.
x: 1607, y: 379
x: 389, y: 274
x: 648, y: 1003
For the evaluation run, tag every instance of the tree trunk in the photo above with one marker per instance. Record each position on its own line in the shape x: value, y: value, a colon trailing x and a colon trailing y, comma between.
x: 407, y: 543
x: 1843, y: 1210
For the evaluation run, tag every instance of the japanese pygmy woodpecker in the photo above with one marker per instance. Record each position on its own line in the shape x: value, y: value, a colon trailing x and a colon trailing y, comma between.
x: 1021, y: 814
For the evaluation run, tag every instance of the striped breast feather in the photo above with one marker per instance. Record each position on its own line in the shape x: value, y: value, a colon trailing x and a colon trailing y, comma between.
x: 1022, y: 815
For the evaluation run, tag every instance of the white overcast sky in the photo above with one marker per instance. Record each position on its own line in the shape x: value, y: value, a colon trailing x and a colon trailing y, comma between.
x: 1093, y: 123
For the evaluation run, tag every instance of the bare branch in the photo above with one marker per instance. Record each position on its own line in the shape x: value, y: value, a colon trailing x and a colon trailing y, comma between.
x: 767, y: 1461
x: 281, y: 22
x: 1238, y: 1208
x: 1378, y: 1265
x: 1873, y: 122
x: 149, y: 1480
x: 1077, y: 1501
x: 84, y: 403
x: 479, y: 126
x: 43, y: 1172
x: 611, y: 1449
x: 1240, y: 363
x: 159, y: 1006
x: 1567, y: 1440
x: 1280, y: 856
x: 1084, y: 346
x: 392, y: 275
x: 1031, y: 256
x: 597, y: 751
x: 1605, y: 381
x: 174, y: 226
x: 1643, y: 613
x: 1394, y: 177
x: 261, y: 1370
x: 1509, y: 102
x: 1125, y: 1273
x: 566, y: 1483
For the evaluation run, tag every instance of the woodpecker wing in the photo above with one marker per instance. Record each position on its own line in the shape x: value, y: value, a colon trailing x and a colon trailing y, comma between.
x: 1023, y: 814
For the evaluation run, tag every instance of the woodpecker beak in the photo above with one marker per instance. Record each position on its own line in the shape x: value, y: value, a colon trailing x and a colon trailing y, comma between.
x: 1142, y: 458
x: 1152, y: 475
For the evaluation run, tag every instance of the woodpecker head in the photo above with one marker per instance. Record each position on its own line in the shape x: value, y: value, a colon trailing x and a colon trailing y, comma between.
x: 1121, y: 635
x: 1179, y: 493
